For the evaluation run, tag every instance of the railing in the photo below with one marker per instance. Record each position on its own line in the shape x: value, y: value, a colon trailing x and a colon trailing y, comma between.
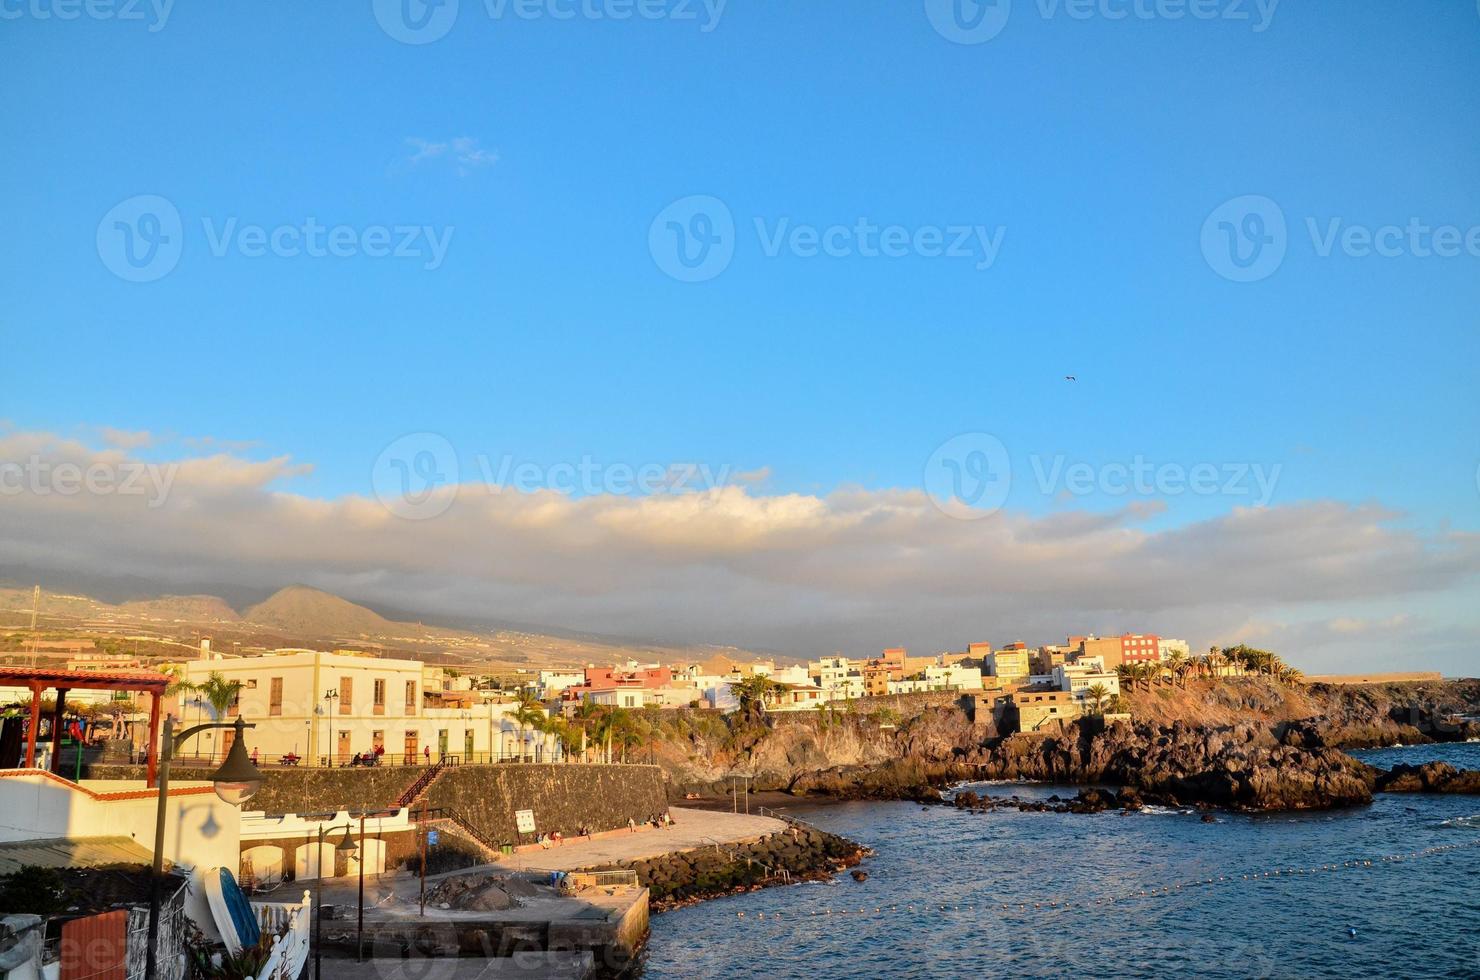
x: 448, y: 813
x: 289, y: 950
x: 414, y: 759
x: 779, y: 873
x: 787, y: 818
x: 411, y: 760
x: 422, y: 782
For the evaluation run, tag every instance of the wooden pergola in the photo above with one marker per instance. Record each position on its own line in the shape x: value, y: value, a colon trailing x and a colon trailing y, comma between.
x: 63, y: 681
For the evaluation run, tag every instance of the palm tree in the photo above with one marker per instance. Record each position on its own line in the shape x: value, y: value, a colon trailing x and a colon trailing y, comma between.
x: 1148, y: 674
x: 219, y: 693
x: 529, y: 711
x: 1176, y: 662
x: 1098, y: 693
x: 1127, y: 675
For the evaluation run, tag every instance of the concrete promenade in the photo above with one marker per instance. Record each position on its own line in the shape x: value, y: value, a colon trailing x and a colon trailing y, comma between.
x: 690, y: 829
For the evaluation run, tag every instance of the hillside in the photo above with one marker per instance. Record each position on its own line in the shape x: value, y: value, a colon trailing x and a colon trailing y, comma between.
x: 302, y: 611
x: 159, y: 627
x: 1350, y: 715
x: 181, y: 609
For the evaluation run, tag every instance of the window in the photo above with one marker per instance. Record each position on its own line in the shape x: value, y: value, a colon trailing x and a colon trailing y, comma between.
x: 275, y: 696
x: 346, y: 695
x: 377, y: 693
x: 411, y: 697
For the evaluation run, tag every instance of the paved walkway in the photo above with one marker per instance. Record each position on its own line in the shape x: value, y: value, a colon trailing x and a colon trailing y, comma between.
x: 690, y: 829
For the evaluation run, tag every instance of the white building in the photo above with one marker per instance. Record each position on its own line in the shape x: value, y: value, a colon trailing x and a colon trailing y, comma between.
x: 795, y: 674
x: 329, y: 707
x: 840, y: 678
x: 721, y: 697
x: 553, y: 682
x: 1077, y: 678
x: 953, y: 678
x: 1166, y: 647
x: 795, y: 697
x: 674, y: 697
x: 617, y: 697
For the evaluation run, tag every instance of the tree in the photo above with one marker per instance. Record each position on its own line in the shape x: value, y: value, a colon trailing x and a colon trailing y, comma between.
x: 219, y: 693
x: 1148, y: 674
x: 1098, y: 693
x: 1127, y: 675
x: 1177, y: 663
x: 529, y: 711
x: 753, y: 692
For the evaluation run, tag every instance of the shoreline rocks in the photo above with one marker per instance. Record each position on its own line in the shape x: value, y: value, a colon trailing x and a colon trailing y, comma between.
x: 1243, y: 744
x: 1430, y: 777
x: 686, y: 877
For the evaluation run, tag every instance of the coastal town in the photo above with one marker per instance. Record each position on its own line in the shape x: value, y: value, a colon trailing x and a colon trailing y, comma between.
x: 347, y: 707
x: 245, y: 788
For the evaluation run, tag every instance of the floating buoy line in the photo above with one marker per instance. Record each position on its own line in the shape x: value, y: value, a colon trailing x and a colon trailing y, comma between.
x: 1038, y: 908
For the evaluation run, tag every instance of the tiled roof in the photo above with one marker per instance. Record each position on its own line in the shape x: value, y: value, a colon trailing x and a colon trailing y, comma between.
x: 72, y: 852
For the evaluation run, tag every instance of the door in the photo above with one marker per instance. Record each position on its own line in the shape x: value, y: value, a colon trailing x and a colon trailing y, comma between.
x: 343, y: 748
x: 411, y: 749
x: 467, y: 745
x: 441, y: 742
x: 95, y: 947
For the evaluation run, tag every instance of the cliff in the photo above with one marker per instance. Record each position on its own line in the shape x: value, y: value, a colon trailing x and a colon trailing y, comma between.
x: 1247, y: 744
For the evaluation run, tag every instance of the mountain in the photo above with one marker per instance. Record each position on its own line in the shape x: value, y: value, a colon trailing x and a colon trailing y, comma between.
x: 299, y: 610
x: 181, y: 609
x: 160, y: 627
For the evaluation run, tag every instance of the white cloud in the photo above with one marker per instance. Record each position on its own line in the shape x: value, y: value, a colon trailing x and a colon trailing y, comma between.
x: 125, y: 438
x: 855, y: 569
x: 463, y: 152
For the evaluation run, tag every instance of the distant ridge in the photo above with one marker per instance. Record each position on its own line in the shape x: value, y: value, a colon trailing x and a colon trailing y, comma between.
x: 182, y: 608
x: 301, y: 610
x: 301, y: 615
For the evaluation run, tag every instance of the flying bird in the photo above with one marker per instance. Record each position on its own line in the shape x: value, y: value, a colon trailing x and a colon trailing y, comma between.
x: 1070, y: 377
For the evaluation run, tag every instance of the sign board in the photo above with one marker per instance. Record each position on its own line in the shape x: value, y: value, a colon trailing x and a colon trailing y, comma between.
x: 524, y: 821
x: 432, y: 838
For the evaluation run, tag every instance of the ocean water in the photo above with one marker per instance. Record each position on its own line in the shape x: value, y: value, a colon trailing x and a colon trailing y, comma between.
x: 933, y: 904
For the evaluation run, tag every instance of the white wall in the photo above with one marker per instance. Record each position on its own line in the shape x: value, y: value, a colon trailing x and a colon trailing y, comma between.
x: 201, y: 832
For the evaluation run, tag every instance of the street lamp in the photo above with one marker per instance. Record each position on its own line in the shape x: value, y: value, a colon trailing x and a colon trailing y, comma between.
x: 235, y: 782
x: 330, y: 696
x: 346, y: 846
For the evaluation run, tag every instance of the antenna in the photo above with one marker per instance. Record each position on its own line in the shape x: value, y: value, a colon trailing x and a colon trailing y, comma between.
x: 35, y: 604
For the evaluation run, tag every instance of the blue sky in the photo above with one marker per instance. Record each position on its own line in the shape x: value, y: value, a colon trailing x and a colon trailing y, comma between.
x: 1098, y: 146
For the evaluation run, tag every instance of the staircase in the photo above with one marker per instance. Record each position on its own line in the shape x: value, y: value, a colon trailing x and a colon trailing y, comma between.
x: 416, y: 789
x: 466, y: 827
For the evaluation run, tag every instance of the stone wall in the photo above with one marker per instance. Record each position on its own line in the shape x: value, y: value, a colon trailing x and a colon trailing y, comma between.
x: 564, y: 796
x: 305, y: 790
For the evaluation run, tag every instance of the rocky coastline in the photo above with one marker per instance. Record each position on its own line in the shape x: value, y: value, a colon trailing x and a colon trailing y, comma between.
x: 1271, y: 763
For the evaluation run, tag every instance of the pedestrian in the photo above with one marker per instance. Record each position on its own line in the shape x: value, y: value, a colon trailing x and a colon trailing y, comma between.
x: 632, y: 824
x: 427, y: 752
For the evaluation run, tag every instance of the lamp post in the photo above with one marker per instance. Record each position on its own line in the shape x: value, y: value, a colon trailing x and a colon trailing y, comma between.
x: 330, y: 696
x: 346, y: 846
x: 235, y: 783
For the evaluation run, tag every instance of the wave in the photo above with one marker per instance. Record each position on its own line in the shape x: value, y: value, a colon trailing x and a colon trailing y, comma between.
x: 1469, y: 823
